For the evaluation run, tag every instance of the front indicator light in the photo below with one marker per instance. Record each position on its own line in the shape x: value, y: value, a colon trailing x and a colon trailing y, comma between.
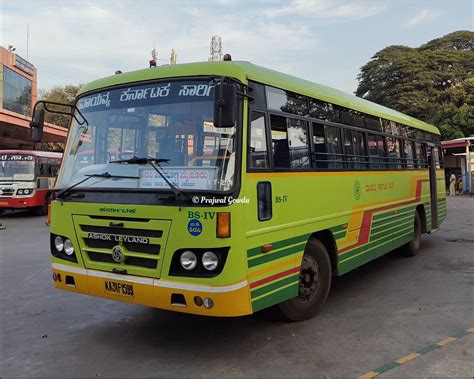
x: 188, y: 260
x: 59, y: 243
x: 68, y: 248
x: 223, y: 225
x: 210, y: 260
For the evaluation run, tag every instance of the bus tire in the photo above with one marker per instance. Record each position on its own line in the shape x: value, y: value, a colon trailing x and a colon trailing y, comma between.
x: 412, y: 248
x: 42, y: 210
x: 314, y: 284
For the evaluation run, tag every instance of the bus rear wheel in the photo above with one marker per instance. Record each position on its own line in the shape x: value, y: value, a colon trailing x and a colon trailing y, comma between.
x: 314, y: 284
x: 412, y: 248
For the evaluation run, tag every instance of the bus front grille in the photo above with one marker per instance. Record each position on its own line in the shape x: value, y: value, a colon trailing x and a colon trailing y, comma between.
x: 141, y: 243
x: 6, y: 192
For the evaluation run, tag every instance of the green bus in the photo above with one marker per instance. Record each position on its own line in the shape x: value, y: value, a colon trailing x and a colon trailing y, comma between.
x: 223, y: 188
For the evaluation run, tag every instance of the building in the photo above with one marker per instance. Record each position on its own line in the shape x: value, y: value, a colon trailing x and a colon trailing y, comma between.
x: 18, y: 94
x: 459, y: 160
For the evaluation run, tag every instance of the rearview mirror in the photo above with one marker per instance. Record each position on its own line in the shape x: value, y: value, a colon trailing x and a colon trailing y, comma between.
x: 224, y: 105
x: 36, y: 125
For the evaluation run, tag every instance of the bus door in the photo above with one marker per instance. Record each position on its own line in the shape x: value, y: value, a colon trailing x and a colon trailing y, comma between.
x: 430, y: 150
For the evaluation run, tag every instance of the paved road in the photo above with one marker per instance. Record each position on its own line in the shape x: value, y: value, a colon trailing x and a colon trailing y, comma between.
x: 381, y: 312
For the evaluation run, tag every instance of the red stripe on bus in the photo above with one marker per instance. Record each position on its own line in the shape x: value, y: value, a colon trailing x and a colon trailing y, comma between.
x: 273, y: 277
x: 367, y: 218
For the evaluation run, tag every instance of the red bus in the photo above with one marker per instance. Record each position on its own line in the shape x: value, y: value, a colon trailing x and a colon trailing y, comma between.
x: 26, y: 178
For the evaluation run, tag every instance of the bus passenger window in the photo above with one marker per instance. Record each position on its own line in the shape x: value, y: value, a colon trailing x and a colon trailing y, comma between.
x: 334, y: 146
x: 409, y: 154
x: 420, y: 157
x: 377, y: 154
x: 355, y: 149
x: 281, y: 151
x: 298, y: 143
x: 394, y: 153
x: 258, y: 154
x: 320, y: 148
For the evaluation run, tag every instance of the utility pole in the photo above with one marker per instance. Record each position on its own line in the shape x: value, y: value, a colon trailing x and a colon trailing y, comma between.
x: 216, y: 49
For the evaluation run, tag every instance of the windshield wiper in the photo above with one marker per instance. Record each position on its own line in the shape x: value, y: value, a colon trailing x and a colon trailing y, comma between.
x: 158, y: 169
x: 61, y: 194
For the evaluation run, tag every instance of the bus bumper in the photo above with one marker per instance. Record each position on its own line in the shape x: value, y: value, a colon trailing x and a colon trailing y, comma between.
x: 19, y: 202
x: 227, y: 301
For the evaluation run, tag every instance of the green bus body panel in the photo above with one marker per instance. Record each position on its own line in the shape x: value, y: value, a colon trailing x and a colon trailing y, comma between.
x: 368, y: 213
x: 244, y: 71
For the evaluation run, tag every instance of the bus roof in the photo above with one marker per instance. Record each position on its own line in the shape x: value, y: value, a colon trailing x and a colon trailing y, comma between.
x: 36, y: 153
x: 244, y: 71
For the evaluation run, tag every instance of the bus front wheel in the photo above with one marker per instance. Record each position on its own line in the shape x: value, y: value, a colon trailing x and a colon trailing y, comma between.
x: 412, y: 248
x: 42, y: 210
x: 314, y: 284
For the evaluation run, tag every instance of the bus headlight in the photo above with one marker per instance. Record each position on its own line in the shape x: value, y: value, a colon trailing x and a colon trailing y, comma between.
x: 19, y: 192
x: 210, y: 260
x: 59, y: 243
x: 68, y: 248
x: 188, y: 260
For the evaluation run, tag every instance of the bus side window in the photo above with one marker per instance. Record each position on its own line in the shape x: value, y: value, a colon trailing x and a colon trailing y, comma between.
x: 377, y: 154
x: 334, y: 146
x: 438, y: 158
x: 394, y: 153
x: 409, y: 154
x: 355, y: 149
x: 258, y: 153
x: 320, y: 146
x: 280, y: 147
x: 298, y: 143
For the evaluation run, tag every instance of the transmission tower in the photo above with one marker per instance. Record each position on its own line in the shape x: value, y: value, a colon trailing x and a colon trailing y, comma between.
x: 173, y: 57
x: 216, y: 49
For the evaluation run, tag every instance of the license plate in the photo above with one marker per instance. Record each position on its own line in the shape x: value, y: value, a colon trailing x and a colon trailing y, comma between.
x: 118, y: 288
x: 3, y: 202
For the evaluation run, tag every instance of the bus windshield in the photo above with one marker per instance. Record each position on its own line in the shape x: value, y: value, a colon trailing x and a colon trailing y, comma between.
x: 166, y: 120
x: 17, y: 167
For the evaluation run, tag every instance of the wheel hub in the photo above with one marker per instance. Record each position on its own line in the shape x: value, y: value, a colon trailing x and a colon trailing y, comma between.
x: 309, y: 278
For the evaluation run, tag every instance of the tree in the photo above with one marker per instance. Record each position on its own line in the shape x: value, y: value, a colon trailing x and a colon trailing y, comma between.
x: 60, y: 94
x: 433, y: 82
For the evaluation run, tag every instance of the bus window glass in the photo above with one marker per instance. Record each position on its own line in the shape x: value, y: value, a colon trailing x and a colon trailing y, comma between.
x: 320, y: 146
x: 355, y: 149
x: 257, y: 91
x: 280, y: 147
x: 372, y: 122
x: 376, y: 147
x: 394, y: 153
x: 258, y: 155
x: 436, y: 153
x: 334, y: 146
x: 17, y: 167
x: 298, y: 144
x: 419, y: 156
x: 409, y: 154
x: 287, y: 102
x: 323, y: 110
x: 170, y: 120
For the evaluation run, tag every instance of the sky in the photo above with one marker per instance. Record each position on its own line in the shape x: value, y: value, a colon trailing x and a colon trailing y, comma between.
x: 325, y: 41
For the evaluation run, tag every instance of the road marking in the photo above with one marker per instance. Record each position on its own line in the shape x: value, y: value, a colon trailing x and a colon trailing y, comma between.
x: 419, y: 353
x: 446, y: 341
x: 407, y: 358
